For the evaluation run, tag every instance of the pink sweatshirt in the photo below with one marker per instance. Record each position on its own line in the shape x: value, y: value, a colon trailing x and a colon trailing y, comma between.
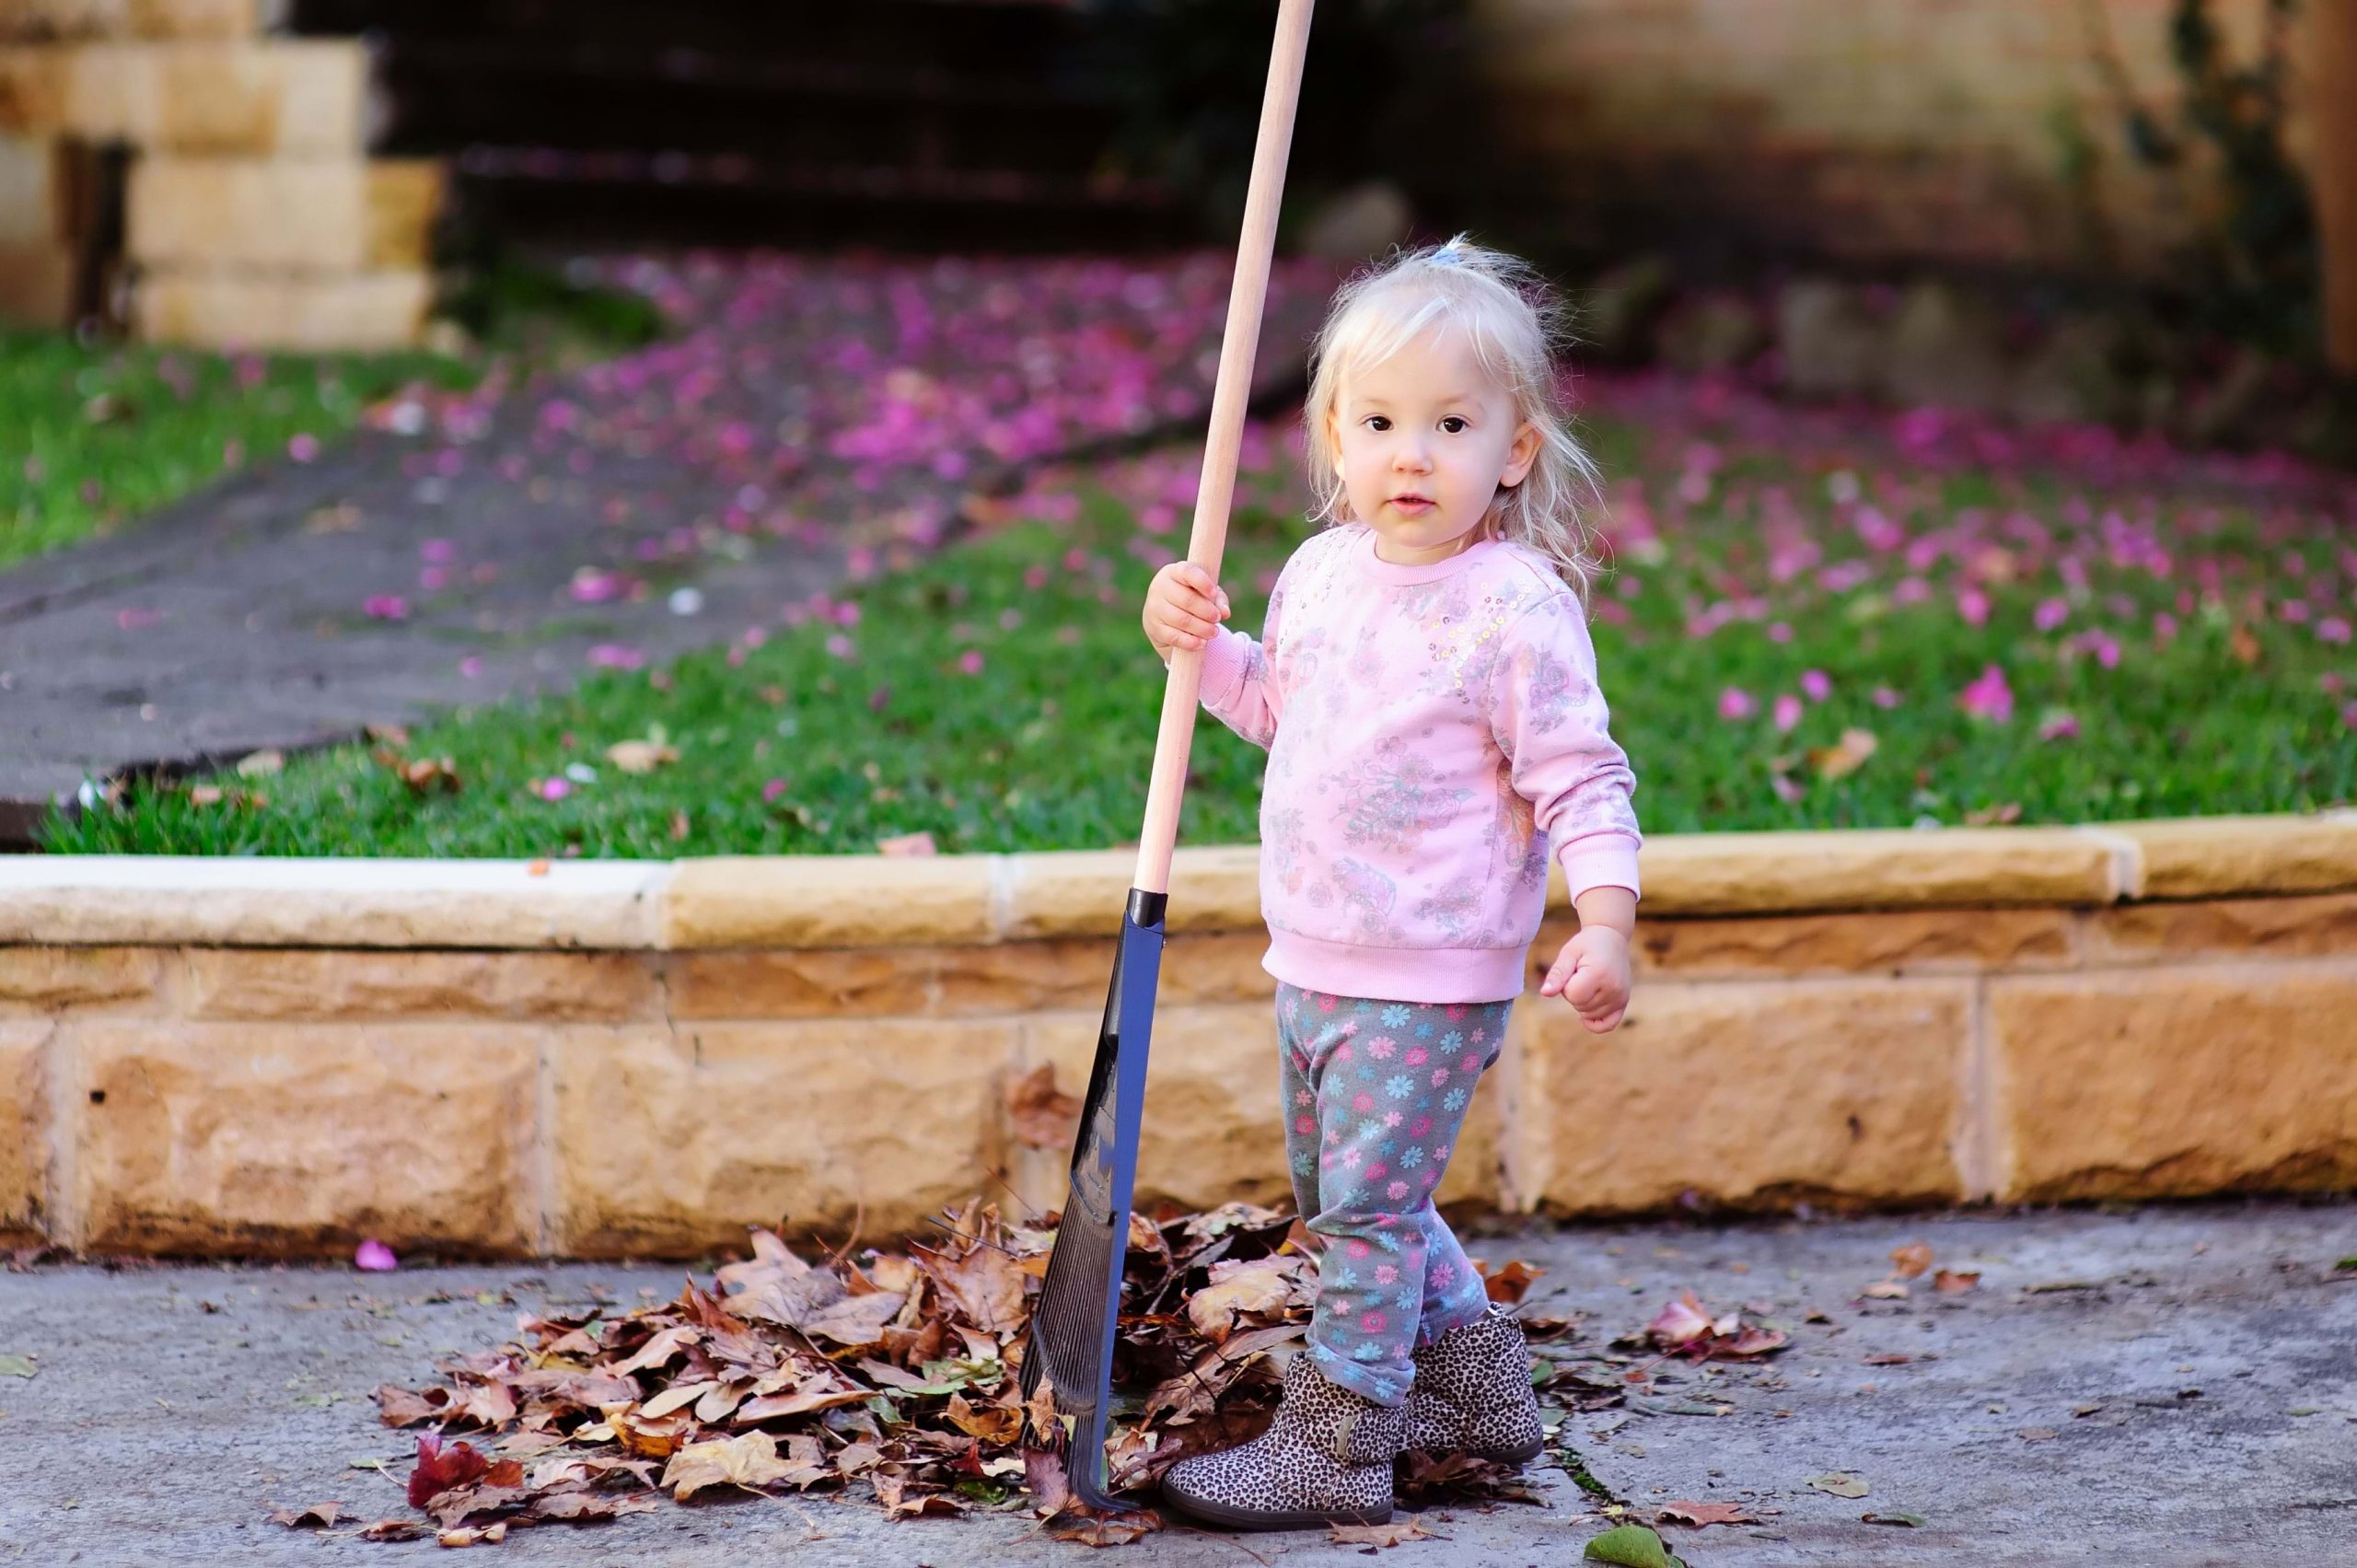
x: 1431, y: 731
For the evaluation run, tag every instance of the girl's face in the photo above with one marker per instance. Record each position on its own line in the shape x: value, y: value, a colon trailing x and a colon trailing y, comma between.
x: 1424, y: 440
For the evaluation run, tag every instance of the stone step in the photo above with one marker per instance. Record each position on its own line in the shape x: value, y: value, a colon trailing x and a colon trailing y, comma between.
x: 40, y: 21
x: 255, y: 98
x: 340, y: 214
x: 303, y: 312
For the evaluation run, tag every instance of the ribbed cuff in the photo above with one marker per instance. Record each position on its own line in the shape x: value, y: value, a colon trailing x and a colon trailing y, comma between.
x: 1600, y: 860
x: 1224, y: 662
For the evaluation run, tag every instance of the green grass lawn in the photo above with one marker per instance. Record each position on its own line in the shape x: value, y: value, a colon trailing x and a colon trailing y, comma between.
x: 98, y: 434
x: 1001, y: 696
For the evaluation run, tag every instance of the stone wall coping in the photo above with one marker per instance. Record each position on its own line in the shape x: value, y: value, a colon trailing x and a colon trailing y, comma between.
x: 870, y: 901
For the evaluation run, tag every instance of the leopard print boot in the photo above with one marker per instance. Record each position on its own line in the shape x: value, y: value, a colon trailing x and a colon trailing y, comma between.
x: 1472, y: 1394
x: 1325, y: 1460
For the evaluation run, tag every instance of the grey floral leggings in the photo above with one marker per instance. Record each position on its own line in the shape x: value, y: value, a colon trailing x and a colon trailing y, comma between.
x: 1375, y: 1093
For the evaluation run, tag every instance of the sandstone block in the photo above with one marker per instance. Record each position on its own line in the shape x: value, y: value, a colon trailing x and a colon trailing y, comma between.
x: 1752, y: 1095
x: 820, y: 982
x: 822, y: 900
x: 343, y: 215
x: 2178, y: 1081
x: 256, y: 97
x: 42, y: 197
x: 305, y: 312
x: 1083, y: 893
x: 1776, y: 873
x: 672, y: 1145
x: 48, y: 980
x: 328, y: 903
x: 1213, y: 1130
x: 2315, y: 926
x: 1887, y: 941
x: 1026, y: 977
x: 1072, y: 973
x: 40, y: 285
x: 2219, y: 856
x: 274, y: 1138
x: 49, y: 21
x: 322, y: 983
x: 25, y: 1214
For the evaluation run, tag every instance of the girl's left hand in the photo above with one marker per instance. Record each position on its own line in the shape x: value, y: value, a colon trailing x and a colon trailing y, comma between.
x: 1592, y: 974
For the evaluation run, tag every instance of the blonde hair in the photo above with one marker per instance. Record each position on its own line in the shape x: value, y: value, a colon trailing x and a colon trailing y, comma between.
x: 1515, y: 324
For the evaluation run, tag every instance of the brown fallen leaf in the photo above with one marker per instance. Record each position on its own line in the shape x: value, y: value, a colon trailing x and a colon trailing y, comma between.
x: 1699, y: 1514
x: 993, y: 1423
x: 1507, y: 1285
x: 749, y: 1459
x: 1088, y: 1527
x: 984, y: 1286
x: 1043, y: 1115
x: 1253, y: 1285
x: 640, y: 756
x: 2038, y: 1433
x: 317, y: 1516
x: 489, y: 1535
x: 405, y: 1407
x: 1910, y: 1259
x: 1892, y: 1358
x: 1886, y: 1290
x: 1953, y: 1282
x: 394, y: 1530
x: 1845, y: 757
x: 1392, y: 1534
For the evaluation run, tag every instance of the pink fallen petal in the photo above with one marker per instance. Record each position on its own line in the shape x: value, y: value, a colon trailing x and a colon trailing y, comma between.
x: 303, y: 446
x: 1737, y: 703
x: 374, y: 1257
x: 771, y: 789
x: 906, y: 845
x: 971, y: 661
x: 554, y: 789
x: 1884, y: 697
x: 1988, y: 697
x: 615, y: 655
x: 1788, y: 710
x: 1815, y: 685
x: 386, y: 607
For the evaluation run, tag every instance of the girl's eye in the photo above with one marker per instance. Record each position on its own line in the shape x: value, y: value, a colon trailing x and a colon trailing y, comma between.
x: 1453, y: 423
x: 1379, y: 421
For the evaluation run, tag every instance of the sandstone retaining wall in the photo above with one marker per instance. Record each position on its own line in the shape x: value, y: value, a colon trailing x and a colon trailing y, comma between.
x: 610, y: 1059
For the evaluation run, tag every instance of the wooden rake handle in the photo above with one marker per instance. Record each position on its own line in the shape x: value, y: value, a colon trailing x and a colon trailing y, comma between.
x: 1218, y: 490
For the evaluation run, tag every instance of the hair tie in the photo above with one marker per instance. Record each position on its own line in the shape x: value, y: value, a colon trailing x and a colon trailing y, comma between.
x: 1448, y: 255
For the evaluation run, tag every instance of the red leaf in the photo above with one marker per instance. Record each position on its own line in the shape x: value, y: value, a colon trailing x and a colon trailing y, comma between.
x: 440, y: 1466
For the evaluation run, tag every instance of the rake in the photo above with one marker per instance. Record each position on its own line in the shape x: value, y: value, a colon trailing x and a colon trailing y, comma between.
x: 1069, y: 1346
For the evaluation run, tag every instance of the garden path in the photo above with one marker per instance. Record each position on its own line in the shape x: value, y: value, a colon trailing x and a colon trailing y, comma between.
x: 811, y: 419
x: 2043, y: 1417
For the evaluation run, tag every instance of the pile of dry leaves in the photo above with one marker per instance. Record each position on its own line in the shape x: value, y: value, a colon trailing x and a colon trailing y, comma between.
x: 895, y: 1375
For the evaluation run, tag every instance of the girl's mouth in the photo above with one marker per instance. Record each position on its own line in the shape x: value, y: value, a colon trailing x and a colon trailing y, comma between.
x: 1414, y: 506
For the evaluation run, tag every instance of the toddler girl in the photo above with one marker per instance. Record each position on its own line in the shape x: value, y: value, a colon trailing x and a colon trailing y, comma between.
x: 1426, y: 690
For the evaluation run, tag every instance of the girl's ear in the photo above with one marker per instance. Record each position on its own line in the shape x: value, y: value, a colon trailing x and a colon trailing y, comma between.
x: 1520, y: 456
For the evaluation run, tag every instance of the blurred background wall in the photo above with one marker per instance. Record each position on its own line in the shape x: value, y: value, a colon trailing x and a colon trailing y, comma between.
x: 287, y: 171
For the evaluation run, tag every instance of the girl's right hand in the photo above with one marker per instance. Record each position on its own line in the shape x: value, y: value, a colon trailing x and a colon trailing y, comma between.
x: 1183, y: 608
